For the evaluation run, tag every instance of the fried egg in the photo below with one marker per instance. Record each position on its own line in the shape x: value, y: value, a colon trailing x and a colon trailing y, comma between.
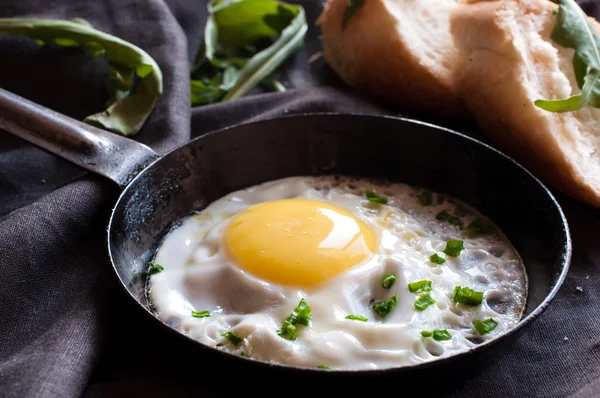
x: 403, y: 277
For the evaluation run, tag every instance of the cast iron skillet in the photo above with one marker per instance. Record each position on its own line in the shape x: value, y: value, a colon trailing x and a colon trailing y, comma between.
x: 158, y: 192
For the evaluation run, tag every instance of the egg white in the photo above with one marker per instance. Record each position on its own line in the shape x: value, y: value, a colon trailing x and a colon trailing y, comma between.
x: 198, y: 275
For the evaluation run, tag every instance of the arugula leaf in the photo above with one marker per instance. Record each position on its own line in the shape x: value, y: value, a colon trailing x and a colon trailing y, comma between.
x: 351, y: 7
x: 245, y: 41
x: 574, y: 30
x: 130, y: 103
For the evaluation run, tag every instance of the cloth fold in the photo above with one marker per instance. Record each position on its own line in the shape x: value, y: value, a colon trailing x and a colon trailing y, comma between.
x: 68, y: 329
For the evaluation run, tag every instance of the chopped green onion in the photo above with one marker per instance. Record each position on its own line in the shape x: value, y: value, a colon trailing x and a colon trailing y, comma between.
x: 485, y: 326
x: 374, y: 198
x: 466, y: 296
x: 425, y: 198
x: 300, y: 315
x: 437, y: 259
x: 419, y: 287
x: 454, y: 247
x: 450, y: 218
x: 438, y: 335
x: 424, y: 301
x: 383, y: 308
x: 388, y: 281
x: 233, y: 337
x: 154, y: 268
x: 201, y: 314
x: 243, y: 354
x: 479, y: 225
x: 324, y: 367
x: 355, y: 317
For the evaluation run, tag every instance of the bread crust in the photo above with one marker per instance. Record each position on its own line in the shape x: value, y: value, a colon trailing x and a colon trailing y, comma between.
x: 498, y: 75
x: 372, y: 55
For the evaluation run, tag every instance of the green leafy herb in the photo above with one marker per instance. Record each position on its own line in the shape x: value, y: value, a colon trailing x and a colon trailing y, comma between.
x: 352, y: 6
x: 325, y: 367
x: 154, y: 268
x: 425, y: 198
x: 485, y: 326
x: 355, y: 317
x: 437, y: 259
x: 388, y: 281
x: 245, y: 41
x: 424, y: 301
x: 574, y: 30
x: 454, y: 247
x: 419, y: 287
x: 466, y: 296
x: 479, y: 225
x: 383, y: 308
x: 201, y: 314
x: 300, y: 315
x: 243, y: 354
x: 233, y: 337
x: 374, y: 198
x: 448, y: 217
x: 438, y: 335
x: 130, y: 102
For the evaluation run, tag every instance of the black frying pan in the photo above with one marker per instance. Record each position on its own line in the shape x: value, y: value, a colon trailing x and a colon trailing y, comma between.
x: 158, y: 192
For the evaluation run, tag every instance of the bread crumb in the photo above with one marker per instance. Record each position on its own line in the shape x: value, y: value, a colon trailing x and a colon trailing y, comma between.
x: 579, y: 289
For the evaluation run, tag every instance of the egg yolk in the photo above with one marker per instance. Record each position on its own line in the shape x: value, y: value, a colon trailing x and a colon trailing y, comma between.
x: 297, y: 242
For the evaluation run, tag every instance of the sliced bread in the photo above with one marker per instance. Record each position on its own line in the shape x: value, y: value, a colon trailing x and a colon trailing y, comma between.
x: 398, y: 50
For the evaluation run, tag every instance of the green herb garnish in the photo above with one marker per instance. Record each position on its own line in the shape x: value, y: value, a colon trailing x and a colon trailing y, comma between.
x: 574, y: 30
x: 479, y: 225
x: 466, y: 296
x: 154, y: 268
x: 425, y: 198
x: 454, y: 247
x: 419, y: 287
x: 201, y: 314
x: 374, y: 198
x: 355, y: 317
x: 438, y: 335
x: 424, y: 301
x: 300, y: 315
x: 437, y: 259
x: 383, y: 308
x: 233, y: 337
x: 388, y: 281
x: 351, y: 7
x: 135, y: 80
x: 245, y: 41
x: 485, y: 326
x: 243, y: 354
x: 324, y: 367
x: 448, y: 217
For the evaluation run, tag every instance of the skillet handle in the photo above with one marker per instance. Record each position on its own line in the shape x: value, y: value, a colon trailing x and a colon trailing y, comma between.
x: 118, y: 158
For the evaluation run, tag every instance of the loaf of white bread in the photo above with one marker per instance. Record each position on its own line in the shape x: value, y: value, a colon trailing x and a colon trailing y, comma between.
x: 494, y: 58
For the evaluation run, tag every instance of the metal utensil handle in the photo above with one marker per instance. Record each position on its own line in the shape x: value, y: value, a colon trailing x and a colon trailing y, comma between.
x: 117, y: 158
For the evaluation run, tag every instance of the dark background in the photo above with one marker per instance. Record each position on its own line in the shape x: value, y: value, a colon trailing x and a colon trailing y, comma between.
x: 67, y: 329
